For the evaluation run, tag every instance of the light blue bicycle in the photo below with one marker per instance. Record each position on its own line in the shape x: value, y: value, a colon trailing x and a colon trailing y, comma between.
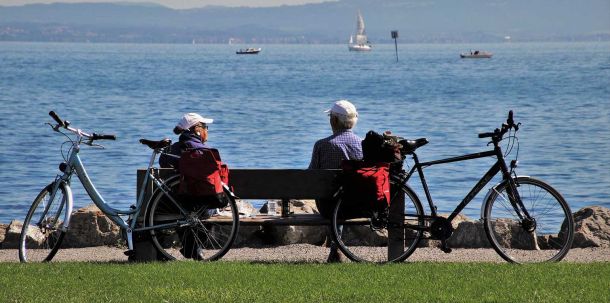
x: 178, y: 229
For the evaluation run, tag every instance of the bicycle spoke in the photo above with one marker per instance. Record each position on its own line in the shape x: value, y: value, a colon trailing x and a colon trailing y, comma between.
x: 200, y: 239
x: 523, y: 240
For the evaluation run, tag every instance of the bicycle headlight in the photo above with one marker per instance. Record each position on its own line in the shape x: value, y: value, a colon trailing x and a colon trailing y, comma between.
x: 63, y: 166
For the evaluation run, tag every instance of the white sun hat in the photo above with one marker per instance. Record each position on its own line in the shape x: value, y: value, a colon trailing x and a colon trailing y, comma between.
x: 343, y: 108
x: 188, y: 120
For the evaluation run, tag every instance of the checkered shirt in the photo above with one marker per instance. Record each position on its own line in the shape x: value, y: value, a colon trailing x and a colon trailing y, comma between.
x: 329, y: 152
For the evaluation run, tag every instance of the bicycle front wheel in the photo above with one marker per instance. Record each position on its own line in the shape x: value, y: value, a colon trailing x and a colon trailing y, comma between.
x: 187, y: 230
x: 546, y: 236
x: 363, y: 240
x: 42, y: 231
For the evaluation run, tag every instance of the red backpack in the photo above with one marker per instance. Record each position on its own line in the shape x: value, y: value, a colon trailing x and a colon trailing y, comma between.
x: 366, y: 185
x: 202, y: 173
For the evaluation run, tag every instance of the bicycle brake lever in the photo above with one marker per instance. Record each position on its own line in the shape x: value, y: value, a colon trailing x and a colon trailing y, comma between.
x: 97, y: 145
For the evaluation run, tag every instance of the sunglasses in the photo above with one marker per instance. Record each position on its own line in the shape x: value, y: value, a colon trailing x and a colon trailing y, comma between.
x: 204, y: 126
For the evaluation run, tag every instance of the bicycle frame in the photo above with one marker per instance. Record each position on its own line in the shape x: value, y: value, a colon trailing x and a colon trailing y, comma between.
x: 75, y: 165
x: 499, y: 166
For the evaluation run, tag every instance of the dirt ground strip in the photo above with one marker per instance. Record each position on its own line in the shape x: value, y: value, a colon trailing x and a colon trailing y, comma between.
x: 304, y: 253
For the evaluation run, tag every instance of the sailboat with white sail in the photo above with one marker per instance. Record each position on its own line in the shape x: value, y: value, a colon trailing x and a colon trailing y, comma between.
x: 359, y: 42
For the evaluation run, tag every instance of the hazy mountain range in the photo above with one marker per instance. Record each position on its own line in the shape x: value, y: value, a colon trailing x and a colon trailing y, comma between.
x: 328, y: 22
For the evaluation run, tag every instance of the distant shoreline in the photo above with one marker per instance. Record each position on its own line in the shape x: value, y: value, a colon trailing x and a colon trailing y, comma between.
x: 237, y: 45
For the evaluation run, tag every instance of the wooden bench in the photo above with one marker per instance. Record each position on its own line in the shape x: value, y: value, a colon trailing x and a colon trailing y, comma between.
x: 254, y: 184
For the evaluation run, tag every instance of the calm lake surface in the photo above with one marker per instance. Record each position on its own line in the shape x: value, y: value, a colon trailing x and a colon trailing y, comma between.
x: 268, y: 109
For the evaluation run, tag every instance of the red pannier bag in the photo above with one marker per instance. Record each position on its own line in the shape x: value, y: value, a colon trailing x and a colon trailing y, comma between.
x: 366, y: 186
x: 202, y: 173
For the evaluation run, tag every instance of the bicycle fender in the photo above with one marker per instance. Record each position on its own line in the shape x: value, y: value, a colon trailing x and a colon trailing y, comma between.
x: 69, y: 204
x: 68, y: 195
x: 492, y: 189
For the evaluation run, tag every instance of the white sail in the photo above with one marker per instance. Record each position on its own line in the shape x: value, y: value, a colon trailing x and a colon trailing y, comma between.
x: 361, y: 42
x: 360, y: 25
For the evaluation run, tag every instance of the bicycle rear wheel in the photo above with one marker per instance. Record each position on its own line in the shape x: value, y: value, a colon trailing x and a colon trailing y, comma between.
x: 198, y: 231
x: 547, y: 237
x: 42, y: 234
x: 362, y: 241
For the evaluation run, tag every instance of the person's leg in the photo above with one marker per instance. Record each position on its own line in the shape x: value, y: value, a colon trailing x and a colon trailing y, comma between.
x: 335, y: 255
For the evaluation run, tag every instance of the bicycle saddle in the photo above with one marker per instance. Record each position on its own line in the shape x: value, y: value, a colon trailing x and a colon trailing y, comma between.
x: 156, y: 144
x: 409, y: 146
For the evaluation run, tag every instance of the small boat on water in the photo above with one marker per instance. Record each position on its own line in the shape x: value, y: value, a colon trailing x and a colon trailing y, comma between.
x: 249, y: 51
x: 359, y: 42
x: 476, y: 54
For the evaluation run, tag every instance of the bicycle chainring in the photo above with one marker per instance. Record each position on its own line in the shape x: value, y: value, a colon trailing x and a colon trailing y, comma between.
x: 441, y: 228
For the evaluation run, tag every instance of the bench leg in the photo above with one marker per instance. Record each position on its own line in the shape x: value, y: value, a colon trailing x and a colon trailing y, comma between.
x: 396, y: 235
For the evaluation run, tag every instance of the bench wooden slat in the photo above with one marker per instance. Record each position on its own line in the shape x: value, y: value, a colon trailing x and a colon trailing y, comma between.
x: 283, y: 183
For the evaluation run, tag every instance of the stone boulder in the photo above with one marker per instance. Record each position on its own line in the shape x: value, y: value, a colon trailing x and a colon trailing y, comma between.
x: 285, y: 235
x: 3, y: 229
x: 245, y: 208
x: 12, y: 233
x: 469, y: 234
x: 592, y: 227
x: 90, y: 227
x: 248, y: 235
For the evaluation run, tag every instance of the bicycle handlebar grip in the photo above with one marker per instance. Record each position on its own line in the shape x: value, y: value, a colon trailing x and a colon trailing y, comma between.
x: 56, y: 118
x: 102, y: 137
x: 486, y: 135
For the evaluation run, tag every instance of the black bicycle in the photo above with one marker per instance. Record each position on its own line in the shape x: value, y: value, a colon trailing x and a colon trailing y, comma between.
x: 525, y: 219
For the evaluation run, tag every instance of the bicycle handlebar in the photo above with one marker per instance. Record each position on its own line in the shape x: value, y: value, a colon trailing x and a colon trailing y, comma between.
x: 56, y: 118
x: 102, y: 137
x: 66, y: 125
x: 499, y: 132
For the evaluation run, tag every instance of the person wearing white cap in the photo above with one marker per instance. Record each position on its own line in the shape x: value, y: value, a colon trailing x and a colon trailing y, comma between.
x: 328, y: 153
x: 193, y: 131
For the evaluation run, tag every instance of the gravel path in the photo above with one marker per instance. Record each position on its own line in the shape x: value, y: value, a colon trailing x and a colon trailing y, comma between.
x: 311, y: 254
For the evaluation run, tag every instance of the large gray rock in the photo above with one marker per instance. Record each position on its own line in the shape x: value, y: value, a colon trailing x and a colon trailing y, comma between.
x: 3, y: 228
x: 13, y: 231
x: 247, y: 235
x: 592, y: 227
x: 90, y: 227
x: 469, y: 234
x: 285, y: 235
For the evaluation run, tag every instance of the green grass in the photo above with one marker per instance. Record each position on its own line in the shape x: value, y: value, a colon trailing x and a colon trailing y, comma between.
x: 246, y: 282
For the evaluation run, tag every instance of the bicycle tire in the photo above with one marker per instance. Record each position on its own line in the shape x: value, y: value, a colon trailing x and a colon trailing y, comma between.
x: 360, y: 242
x: 202, y: 235
x: 551, y: 234
x: 40, y: 241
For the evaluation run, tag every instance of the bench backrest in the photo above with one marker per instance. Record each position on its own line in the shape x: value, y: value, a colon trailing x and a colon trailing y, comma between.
x: 275, y: 183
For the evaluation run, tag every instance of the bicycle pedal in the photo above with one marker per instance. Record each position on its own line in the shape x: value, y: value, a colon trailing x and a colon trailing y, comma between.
x: 446, y: 249
x: 130, y: 253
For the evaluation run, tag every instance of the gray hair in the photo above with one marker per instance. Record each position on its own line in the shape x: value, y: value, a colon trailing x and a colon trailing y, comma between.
x: 346, y: 122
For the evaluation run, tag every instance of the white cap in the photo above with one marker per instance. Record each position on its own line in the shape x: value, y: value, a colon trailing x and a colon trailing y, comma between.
x: 343, y: 108
x: 190, y: 119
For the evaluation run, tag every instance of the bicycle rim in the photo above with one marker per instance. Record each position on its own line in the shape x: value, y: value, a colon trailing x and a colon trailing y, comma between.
x: 201, y: 233
x: 41, y: 234
x: 362, y: 242
x: 548, y: 237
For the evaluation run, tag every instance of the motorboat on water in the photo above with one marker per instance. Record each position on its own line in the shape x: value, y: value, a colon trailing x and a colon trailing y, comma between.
x: 476, y: 54
x: 249, y: 51
x: 359, y: 42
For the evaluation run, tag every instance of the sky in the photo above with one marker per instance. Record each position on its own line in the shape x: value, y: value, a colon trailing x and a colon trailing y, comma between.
x: 178, y: 4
